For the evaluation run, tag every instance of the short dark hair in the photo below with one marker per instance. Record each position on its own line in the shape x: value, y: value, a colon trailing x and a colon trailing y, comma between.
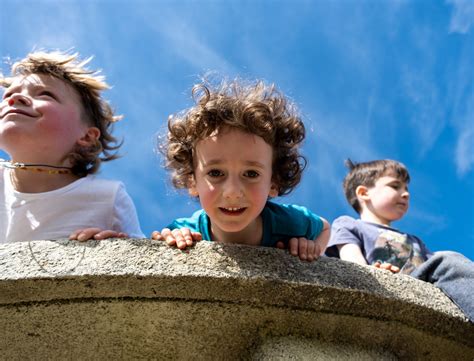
x: 367, y: 173
x: 255, y: 108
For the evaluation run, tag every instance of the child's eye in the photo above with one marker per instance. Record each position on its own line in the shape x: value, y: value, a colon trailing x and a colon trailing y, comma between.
x: 214, y: 173
x: 251, y: 174
x: 397, y: 186
x: 47, y: 93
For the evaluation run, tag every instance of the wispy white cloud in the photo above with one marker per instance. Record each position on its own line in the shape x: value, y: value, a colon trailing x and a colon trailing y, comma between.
x: 462, y: 17
x: 465, y: 151
x: 460, y: 97
x: 428, y: 109
x: 42, y: 32
x: 436, y: 222
x: 185, y: 41
x: 345, y: 136
x: 332, y: 138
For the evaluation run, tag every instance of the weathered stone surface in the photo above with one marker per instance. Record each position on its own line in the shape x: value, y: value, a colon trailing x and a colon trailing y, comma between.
x: 139, y: 299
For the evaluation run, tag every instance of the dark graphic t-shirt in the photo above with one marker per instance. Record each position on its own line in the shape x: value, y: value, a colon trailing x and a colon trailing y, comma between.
x: 378, y: 243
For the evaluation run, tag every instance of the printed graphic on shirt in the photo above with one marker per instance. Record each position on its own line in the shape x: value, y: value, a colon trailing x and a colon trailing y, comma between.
x: 395, y: 248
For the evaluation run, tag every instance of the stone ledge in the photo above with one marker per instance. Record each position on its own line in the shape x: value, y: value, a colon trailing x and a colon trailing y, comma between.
x: 142, y: 299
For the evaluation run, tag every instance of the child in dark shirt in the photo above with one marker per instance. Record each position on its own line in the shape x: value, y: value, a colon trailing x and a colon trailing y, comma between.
x: 378, y: 191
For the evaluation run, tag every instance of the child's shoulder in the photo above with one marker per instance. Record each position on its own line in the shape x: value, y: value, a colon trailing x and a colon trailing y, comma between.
x: 92, y: 178
x: 99, y: 186
x: 354, y: 225
x: 345, y: 222
x: 286, y: 209
x: 357, y: 225
x: 290, y: 219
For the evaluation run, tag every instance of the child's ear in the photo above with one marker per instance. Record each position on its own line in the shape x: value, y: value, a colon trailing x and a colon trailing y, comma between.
x: 362, y: 193
x: 90, y: 137
x: 192, y: 190
x: 273, y: 191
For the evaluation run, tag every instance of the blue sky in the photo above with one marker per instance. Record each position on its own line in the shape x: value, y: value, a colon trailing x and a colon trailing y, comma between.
x: 373, y: 79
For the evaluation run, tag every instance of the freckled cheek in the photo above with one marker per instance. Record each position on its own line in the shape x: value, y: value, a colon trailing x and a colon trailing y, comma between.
x: 258, y: 192
x: 208, y: 193
x: 61, y: 122
x: 209, y: 202
x: 204, y: 186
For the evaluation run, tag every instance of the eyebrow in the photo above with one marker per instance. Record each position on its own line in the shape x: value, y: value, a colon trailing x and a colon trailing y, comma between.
x: 250, y: 163
x: 10, y: 88
x: 29, y: 85
x: 42, y: 86
x: 398, y: 182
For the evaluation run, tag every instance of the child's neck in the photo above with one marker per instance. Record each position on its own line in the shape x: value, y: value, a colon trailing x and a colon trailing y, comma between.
x: 31, y: 182
x: 251, y: 236
x: 368, y: 216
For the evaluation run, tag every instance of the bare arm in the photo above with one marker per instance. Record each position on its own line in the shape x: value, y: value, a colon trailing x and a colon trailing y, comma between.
x: 323, y: 239
x: 352, y: 253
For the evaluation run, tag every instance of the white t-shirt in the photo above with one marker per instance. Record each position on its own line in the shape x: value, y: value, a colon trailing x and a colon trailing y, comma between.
x: 85, y: 203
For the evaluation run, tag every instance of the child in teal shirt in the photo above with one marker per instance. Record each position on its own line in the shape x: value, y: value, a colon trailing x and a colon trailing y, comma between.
x: 234, y: 150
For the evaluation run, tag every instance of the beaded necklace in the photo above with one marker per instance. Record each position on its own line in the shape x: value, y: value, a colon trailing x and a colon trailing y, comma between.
x: 39, y: 168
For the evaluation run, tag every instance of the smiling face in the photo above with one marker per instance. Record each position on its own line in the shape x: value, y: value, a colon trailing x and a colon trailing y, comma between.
x: 233, y: 179
x: 40, y: 120
x: 385, y: 202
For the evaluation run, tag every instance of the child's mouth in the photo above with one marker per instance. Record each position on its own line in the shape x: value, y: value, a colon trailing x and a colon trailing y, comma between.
x: 232, y: 211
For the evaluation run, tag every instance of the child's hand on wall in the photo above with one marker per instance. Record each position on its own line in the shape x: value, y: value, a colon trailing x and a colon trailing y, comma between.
x: 95, y: 233
x: 306, y: 250
x: 180, y: 238
x: 309, y: 250
x: 386, y: 266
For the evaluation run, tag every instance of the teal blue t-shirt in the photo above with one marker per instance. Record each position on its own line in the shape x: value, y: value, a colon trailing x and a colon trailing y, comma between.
x: 281, y: 222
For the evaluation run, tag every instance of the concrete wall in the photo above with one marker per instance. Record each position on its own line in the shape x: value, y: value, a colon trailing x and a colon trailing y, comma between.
x: 139, y: 299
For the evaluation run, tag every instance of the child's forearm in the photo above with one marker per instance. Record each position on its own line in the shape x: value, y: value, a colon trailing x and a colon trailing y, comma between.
x: 323, y: 238
x: 352, y: 253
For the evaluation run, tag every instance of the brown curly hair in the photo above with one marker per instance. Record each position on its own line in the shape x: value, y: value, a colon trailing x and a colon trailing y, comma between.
x: 367, y: 173
x: 254, y: 108
x: 88, y: 84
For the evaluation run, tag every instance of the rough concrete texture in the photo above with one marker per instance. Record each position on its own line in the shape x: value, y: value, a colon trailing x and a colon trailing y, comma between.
x: 300, y: 348
x: 139, y: 299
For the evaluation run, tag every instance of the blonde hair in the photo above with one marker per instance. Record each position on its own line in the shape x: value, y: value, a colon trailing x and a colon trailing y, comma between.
x: 89, y: 85
x: 255, y: 108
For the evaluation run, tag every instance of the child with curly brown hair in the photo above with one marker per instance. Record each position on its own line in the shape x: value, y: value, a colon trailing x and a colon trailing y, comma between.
x: 234, y: 150
x: 56, y: 128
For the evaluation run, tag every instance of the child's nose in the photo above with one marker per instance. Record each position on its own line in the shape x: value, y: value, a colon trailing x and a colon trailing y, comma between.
x: 233, y: 188
x: 18, y: 98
